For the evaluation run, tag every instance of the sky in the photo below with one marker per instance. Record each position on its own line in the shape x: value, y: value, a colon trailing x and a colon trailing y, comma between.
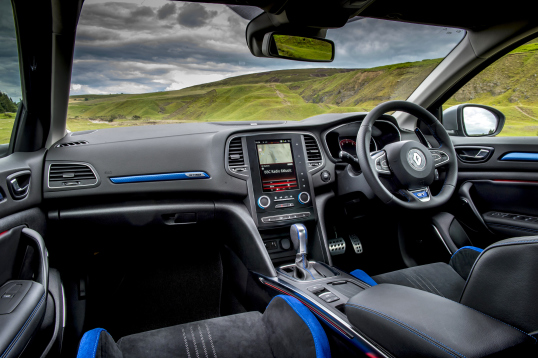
x: 10, y: 81
x: 139, y: 46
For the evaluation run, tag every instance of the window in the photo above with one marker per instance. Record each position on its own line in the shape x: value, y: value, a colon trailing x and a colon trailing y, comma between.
x: 510, y: 85
x: 10, y: 81
x: 157, y: 62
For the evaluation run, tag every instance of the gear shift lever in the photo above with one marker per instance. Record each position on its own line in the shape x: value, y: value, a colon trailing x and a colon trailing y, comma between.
x: 299, y: 238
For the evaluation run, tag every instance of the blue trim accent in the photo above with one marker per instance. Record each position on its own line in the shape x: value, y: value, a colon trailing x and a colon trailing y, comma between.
x: 363, y: 276
x: 160, y: 177
x: 23, y: 328
x: 321, y: 342
x: 89, y: 342
x: 477, y: 249
x: 421, y: 194
x: 409, y: 328
x: 521, y: 156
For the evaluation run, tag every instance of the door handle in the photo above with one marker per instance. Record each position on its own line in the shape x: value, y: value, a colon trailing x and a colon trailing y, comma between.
x: 19, y: 184
x: 474, y: 154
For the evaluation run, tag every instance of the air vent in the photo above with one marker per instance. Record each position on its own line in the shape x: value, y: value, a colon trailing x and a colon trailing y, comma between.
x: 236, y: 159
x: 313, y: 152
x: 67, y: 175
x: 72, y: 144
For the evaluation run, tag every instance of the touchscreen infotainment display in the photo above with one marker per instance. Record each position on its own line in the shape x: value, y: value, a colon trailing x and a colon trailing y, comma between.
x: 277, y: 168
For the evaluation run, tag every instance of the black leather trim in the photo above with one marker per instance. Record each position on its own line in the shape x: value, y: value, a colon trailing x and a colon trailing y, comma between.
x: 502, y: 283
x: 18, y: 327
x: 413, y: 323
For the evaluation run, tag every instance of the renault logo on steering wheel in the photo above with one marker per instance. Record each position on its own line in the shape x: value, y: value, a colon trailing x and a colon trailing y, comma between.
x: 416, y: 159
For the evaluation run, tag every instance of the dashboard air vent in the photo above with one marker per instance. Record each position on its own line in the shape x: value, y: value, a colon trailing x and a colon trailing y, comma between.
x: 236, y: 158
x: 313, y: 152
x: 71, y: 144
x: 64, y: 175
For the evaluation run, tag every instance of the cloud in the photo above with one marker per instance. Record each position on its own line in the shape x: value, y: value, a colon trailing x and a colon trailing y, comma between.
x: 10, y: 81
x: 120, y: 51
x: 166, y: 10
x: 194, y: 15
x: 143, y: 11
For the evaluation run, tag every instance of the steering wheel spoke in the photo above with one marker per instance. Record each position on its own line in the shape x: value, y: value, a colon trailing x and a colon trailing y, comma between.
x: 380, y: 162
x: 440, y: 157
x: 421, y: 195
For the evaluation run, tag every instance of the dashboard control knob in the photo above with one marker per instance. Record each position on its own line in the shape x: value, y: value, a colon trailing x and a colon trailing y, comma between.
x: 304, y: 197
x: 264, y: 201
x: 285, y: 244
x: 325, y: 176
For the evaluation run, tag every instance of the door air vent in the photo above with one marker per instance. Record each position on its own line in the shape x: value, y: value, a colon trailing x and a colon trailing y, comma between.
x: 236, y: 158
x: 313, y: 153
x: 65, y: 175
x: 71, y: 144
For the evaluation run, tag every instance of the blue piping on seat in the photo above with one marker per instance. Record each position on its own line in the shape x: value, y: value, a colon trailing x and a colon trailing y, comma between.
x: 477, y: 249
x: 363, y: 276
x: 321, y: 342
x: 89, y: 342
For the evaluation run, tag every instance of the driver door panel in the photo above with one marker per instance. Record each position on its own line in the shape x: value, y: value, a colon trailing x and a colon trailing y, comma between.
x: 500, y: 193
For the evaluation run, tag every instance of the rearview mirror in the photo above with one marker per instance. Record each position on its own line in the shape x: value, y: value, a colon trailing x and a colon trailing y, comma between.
x: 299, y: 48
x: 473, y: 120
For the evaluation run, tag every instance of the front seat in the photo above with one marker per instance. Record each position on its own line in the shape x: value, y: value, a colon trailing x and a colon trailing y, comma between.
x: 445, y: 280
x: 494, y: 313
x: 286, y: 329
x: 501, y: 280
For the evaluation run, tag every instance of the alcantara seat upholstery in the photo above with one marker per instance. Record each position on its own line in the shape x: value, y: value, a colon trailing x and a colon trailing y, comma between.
x: 286, y: 329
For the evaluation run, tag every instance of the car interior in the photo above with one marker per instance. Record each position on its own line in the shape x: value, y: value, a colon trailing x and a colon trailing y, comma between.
x: 408, y: 230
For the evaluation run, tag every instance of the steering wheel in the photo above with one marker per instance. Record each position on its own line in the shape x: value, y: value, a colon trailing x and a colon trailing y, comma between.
x: 409, y: 165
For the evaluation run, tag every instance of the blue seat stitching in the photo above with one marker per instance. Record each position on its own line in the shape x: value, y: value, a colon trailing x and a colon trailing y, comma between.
x: 509, y: 325
x: 21, y: 331
x: 407, y: 327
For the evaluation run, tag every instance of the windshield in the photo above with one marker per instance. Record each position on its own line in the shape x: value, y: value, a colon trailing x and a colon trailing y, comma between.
x: 153, y: 61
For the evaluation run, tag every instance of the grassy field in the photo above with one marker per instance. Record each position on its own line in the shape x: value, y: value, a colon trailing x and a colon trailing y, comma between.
x: 6, y: 126
x: 510, y: 85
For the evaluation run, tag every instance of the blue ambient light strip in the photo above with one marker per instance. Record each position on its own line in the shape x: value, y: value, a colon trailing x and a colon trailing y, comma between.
x: 519, y: 156
x: 160, y: 177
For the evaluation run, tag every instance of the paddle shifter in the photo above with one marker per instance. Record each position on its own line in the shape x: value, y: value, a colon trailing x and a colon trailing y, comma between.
x: 303, y: 268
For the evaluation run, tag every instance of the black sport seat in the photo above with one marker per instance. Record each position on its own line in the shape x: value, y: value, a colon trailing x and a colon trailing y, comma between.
x: 286, y: 329
x: 445, y: 280
x: 489, y: 307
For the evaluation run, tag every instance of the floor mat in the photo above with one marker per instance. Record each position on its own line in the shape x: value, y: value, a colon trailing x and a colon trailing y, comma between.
x: 166, y: 282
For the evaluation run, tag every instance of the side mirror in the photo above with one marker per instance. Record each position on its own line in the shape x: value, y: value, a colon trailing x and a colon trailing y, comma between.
x: 298, y: 48
x: 473, y: 120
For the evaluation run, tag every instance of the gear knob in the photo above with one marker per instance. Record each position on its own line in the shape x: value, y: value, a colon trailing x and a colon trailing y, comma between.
x: 299, y: 238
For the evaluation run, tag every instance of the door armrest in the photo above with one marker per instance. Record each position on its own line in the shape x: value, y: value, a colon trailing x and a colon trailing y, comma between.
x: 22, y: 306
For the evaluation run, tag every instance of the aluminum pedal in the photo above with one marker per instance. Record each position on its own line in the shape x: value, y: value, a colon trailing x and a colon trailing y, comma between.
x: 356, y: 242
x: 337, y: 246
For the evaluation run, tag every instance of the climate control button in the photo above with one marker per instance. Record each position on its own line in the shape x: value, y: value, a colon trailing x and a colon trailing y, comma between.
x: 264, y: 201
x: 304, y: 197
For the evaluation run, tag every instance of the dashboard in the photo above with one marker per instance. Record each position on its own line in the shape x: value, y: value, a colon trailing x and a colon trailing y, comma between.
x: 274, y: 168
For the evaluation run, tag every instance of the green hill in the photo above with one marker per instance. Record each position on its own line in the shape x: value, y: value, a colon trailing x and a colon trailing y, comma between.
x: 509, y: 85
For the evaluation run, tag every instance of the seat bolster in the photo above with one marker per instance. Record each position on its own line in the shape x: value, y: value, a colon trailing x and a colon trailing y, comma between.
x: 463, y: 260
x: 293, y: 330
x: 413, y: 323
x: 97, y: 343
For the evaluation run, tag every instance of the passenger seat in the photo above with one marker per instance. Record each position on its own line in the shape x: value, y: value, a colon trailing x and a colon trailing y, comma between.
x: 286, y: 329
